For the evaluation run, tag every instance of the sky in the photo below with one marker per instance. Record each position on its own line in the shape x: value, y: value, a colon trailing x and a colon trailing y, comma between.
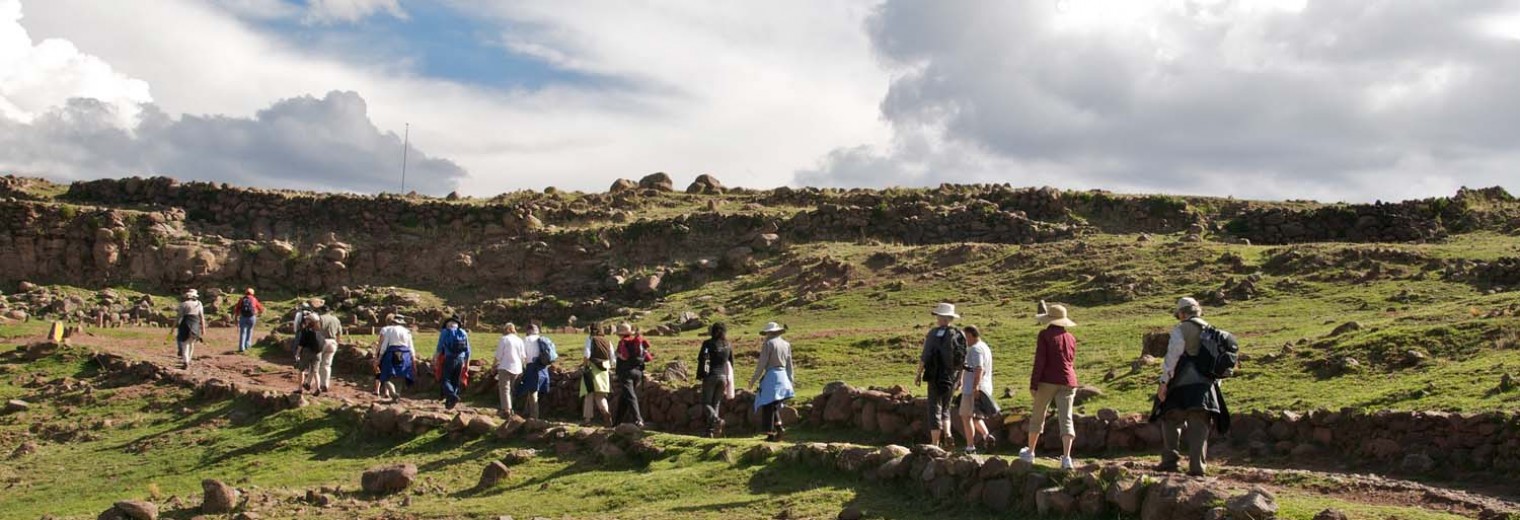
x: 1337, y: 100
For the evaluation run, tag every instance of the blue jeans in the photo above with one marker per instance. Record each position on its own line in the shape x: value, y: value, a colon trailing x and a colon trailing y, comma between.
x: 245, y: 332
x: 453, y: 368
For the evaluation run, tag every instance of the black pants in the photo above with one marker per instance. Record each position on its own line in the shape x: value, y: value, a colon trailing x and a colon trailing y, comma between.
x: 770, y: 416
x: 628, y: 397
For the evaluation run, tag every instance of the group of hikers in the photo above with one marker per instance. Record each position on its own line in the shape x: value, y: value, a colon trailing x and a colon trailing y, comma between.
x: 1188, y: 402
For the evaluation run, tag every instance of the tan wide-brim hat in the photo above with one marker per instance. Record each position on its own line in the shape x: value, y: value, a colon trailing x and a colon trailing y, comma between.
x: 772, y: 328
x: 192, y: 294
x: 248, y: 291
x: 1185, y: 304
x: 945, y: 309
x: 624, y: 329
x: 316, y: 303
x: 1055, y: 315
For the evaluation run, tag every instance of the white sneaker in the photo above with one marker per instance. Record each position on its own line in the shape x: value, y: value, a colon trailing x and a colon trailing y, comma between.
x: 1026, y: 455
x: 1066, y: 463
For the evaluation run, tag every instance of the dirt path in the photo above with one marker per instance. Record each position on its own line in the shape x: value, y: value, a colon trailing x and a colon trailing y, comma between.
x: 218, y: 358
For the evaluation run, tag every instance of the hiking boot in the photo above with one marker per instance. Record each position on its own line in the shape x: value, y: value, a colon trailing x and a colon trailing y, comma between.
x: 1066, y: 463
x: 1199, y: 473
x: 718, y: 428
x: 990, y: 443
x: 306, y: 386
x: 771, y: 437
x: 1026, y: 455
x: 969, y: 450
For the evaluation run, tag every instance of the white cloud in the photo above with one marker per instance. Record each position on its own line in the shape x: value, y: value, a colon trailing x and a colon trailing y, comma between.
x: 690, y: 88
x: 1339, y: 100
x: 300, y: 143
x: 331, y: 11
x: 36, y: 77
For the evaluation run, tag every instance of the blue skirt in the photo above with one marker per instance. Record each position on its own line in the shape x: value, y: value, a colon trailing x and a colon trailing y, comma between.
x: 775, y: 386
x: 397, y: 362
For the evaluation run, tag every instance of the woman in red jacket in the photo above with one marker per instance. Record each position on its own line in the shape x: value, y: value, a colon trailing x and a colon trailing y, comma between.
x: 1054, y: 379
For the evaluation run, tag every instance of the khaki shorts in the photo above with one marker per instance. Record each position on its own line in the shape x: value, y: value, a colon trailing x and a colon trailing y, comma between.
x: 977, y: 404
x: 1063, y: 397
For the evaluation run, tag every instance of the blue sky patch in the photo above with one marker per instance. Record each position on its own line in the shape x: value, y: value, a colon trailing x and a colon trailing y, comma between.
x: 434, y: 41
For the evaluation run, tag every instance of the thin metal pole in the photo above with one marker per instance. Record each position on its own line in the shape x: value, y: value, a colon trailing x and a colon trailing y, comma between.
x: 405, y: 146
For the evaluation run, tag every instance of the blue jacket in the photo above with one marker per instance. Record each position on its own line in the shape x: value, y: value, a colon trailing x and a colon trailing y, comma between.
x: 453, y: 343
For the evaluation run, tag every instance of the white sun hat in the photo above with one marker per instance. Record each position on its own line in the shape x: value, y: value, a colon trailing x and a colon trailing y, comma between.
x: 945, y: 309
x: 773, y: 327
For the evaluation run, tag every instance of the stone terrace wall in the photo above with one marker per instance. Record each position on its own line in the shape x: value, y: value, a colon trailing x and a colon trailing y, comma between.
x: 1408, y: 221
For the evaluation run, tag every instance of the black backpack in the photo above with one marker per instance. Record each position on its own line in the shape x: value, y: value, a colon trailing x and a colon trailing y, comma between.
x: 947, y: 358
x: 1218, y: 352
x: 247, y: 307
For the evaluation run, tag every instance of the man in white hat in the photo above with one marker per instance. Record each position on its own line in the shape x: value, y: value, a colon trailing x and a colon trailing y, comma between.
x: 397, y: 358
x: 190, y: 325
x: 941, y: 364
x: 774, y: 375
x: 1186, y: 398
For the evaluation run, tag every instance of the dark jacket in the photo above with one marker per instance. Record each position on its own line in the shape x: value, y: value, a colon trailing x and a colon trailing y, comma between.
x: 938, y: 356
x: 714, y: 357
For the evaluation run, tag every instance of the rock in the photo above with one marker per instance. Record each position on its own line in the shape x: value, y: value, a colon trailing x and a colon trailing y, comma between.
x: 388, y: 479
x: 1417, y: 463
x: 26, y: 287
x: 16, y: 405
x: 1125, y: 495
x: 1257, y: 504
x: 493, y: 473
x: 657, y: 181
x: 622, y: 185
x: 1350, y: 326
x: 138, y: 509
x: 1086, y: 393
x: 851, y: 513
x: 218, y: 498
x: 25, y: 449
x: 997, y: 494
x: 1506, y: 382
x: 1091, y: 503
x: 838, y: 409
x: 1054, y: 502
x: 705, y: 184
x: 765, y: 241
x: 648, y: 285
x: 628, y: 431
x: 1330, y: 514
x: 481, y: 425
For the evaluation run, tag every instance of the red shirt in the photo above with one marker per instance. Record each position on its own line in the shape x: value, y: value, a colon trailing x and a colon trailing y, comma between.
x: 258, y: 308
x: 1054, y: 355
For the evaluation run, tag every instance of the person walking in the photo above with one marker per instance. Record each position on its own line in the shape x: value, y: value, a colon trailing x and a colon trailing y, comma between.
x: 941, y: 365
x: 596, y: 378
x: 1187, y: 400
x: 246, y: 312
x: 332, y: 334
x: 190, y: 326
x: 452, y: 361
x: 509, y: 366
x: 540, y: 353
x: 773, y: 381
x: 1054, y: 379
x: 715, y: 368
x: 632, y: 355
x: 976, y: 404
x: 396, y: 358
x: 309, y: 351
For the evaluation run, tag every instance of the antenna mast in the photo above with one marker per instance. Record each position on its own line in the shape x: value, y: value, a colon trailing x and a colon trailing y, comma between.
x: 405, y: 147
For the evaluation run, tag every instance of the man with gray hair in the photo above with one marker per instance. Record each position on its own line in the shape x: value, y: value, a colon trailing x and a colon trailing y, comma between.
x: 1186, y: 398
x: 510, y: 354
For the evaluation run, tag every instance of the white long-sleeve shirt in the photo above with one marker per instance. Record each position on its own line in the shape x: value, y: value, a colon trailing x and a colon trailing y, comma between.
x: 510, y: 353
x: 530, y: 348
x: 1176, y: 346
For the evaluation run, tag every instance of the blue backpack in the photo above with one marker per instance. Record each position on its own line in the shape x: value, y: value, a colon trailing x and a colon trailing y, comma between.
x: 546, y: 353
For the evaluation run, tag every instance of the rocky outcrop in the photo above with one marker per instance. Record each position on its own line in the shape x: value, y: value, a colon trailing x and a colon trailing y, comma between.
x: 657, y: 182
x: 705, y: 185
x: 388, y: 480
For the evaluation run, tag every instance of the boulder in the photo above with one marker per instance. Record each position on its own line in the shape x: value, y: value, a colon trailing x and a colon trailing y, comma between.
x: 851, y: 513
x: 1125, y: 495
x: 997, y: 494
x: 706, y: 185
x: 1086, y: 393
x: 386, y: 480
x: 494, y: 473
x: 1054, y: 502
x: 1257, y: 504
x: 138, y: 509
x: 622, y: 185
x: 648, y: 285
x: 657, y: 181
x: 16, y: 405
x: 218, y: 497
x: 25, y: 449
x: 1330, y: 514
x: 1417, y: 463
x: 1349, y: 326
